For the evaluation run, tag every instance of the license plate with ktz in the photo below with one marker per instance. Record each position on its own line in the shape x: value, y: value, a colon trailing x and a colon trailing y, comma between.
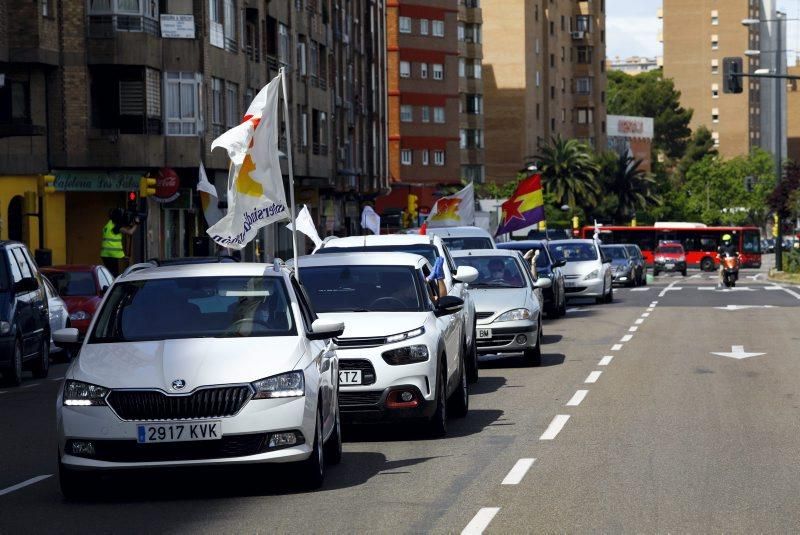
x: 349, y: 377
x: 669, y: 266
x: 178, y: 432
x: 484, y: 333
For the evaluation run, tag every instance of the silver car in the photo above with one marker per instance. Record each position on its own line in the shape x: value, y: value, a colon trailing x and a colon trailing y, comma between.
x: 508, y: 303
x: 587, y: 272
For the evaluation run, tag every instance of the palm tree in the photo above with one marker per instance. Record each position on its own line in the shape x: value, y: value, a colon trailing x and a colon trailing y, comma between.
x: 569, y: 171
x: 634, y: 189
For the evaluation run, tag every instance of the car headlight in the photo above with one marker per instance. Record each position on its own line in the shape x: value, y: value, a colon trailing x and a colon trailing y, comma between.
x: 406, y: 355
x: 78, y: 393
x: 285, y: 385
x: 5, y: 327
x: 515, y: 315
x: 660, y: 259
x: 593, y: 275
x: 80, y: 315
x: 681, y: 259
x: 405, y: 336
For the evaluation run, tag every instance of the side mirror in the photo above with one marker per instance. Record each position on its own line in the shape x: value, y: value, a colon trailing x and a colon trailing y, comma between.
x: 448, y: 305
x: 324, y: 329
x: 559, y: 263
x: 543, y: 282
x: 606, y: 260
x: 104, y: 289
x: 68, y: 338
x: 29, y: 284
x: 466, y: 274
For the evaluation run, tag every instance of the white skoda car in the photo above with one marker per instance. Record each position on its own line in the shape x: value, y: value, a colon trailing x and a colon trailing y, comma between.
x: 402, y: 354
x: 205, y: 364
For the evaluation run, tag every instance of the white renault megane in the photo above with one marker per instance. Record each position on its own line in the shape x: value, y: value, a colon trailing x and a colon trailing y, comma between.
x: 205, y: 364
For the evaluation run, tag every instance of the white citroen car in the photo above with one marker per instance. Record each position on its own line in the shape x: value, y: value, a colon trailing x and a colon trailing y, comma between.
x: 463, y: 238
x: 205, y: 364
x: 402, y: 354
x: 587, y: 272
x: 431, y: 248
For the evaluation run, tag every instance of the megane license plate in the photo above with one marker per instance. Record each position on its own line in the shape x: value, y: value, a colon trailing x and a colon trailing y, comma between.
x: 178, y: 432
x: 350, y: 377
x: 484, y: 333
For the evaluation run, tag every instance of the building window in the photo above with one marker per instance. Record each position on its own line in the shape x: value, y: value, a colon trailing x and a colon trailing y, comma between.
x: 423, y: 70
x: 563, y: 115
x: 122, y: 16
x: 583, y: 23
x: 462, y: 67
x: 15, y: 102
x: 461, y: 31
x: 426, y: 114
x: 181, y: 109
x: 233, y: 113
x: 472, y: 173
x: 584, y: 54
x: 473, y: 68
x: 425, y: 156
x: 300, y: 59
x: 585, y: 116
x: 438, y: 157
x: 406, y: 113
x: 302, y: 127
x: 438, y: 71
x: 583, y: 85
x: 405, y: 156
x: 437, y: 28
x: 715, y: 115
x: 217, y: 122
x: 474, y: 104
x: 715, y: 42
x: 714, y: 66
x: 471, y: 138
x: 423, y: 26
x: 472, y: 33
x: 715, y: 18
x: 438, y: 115
x: 46, y: 8
x: 405, y: 24
x: 230, y: 24
x: 284, y: 40
x: 405, y: 69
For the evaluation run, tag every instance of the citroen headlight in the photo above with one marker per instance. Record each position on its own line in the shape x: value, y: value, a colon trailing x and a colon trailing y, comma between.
x: 5, y: 327
x: 515, y: 315
x: 406, y: 355
x: 80, y: 315
x: 405, y: 336
x: 78, y: 393
x: 285, y: 385
x: 593, y: 275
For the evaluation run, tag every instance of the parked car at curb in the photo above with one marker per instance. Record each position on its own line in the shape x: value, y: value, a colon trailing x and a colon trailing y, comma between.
x: 82, y: 288
x: 403, y: 354
x: 587, y: 272
x: 199, y: 365
x: 58, y: 315
x: 555, y: 298
x: 462, y: 238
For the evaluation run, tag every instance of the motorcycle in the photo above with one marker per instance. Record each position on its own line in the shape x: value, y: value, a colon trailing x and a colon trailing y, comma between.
x: 730, y: 270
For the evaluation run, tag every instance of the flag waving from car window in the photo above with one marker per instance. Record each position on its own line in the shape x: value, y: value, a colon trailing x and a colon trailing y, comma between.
x: 455, y: 210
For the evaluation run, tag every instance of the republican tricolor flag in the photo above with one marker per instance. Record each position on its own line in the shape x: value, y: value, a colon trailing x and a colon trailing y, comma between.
x: 454, y: 210
x: 525, y: 207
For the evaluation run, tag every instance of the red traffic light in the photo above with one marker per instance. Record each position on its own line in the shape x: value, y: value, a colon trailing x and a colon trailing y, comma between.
x: 132, y: 196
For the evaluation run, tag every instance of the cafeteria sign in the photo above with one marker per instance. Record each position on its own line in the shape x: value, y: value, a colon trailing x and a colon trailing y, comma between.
x: 93, y: 181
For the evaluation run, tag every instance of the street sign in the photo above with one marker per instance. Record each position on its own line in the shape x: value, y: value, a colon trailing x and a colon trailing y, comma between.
x: 177, y: 26
x: 738, y: 353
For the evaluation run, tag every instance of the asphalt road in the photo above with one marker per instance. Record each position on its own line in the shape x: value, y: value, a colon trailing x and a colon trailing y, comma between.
x: 632, y: 424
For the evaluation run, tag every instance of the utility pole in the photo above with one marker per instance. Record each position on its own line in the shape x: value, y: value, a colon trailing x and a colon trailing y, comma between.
x: 779, y: 84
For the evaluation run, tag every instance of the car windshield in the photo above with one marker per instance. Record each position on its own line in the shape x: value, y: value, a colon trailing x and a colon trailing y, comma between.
x: 494, y: 271
x: 670, y: 250
x: 615, y: 253
x: 363, y: 288
x: 460, y: 244
x: 428, y: 251
x: 632, y: 251
x: 542, y: 261
x: 70, y: 283
x: 195, y: 307
x: 574, y: 252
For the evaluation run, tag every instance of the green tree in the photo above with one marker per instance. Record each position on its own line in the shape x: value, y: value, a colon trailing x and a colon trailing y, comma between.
x: 700, y: 145
x: 569, y: 172
x: 628, y: 189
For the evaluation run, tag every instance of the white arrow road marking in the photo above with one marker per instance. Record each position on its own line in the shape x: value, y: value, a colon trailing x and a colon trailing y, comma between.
x: 669, y: 288
x: 555, y: 427
x: 738, y: 353
x: 518, y: 472
x: 743, y: 307
x: 480, y: 521
x: 18, y: 486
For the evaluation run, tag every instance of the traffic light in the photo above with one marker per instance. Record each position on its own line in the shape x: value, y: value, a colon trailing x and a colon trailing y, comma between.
x: 775, y: 227
x: 732, y: 75
x: 575, y: 222
x: 47, y: 184
x: 412, y: 209
x: 147, y: 187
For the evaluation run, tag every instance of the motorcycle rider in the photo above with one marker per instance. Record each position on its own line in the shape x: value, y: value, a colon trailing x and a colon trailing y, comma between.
x: 726, y: 248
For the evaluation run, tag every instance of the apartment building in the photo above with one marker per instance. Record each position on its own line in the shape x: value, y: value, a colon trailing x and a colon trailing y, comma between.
x: 543, y: 74
x: 697, y: 36
x: 102, y: 92
x: 470, y: 90
x: 634, y: 65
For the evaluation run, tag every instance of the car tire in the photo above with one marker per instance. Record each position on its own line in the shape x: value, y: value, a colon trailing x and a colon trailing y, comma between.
x: 313, y: 468
x: 437, y: 425
x: 562, y: 307
x: 472, y: 358
x: 655, y: 272
x: 644, y: 277
x: 610, y: 297
x: 683, y: 272
x: 459, y: 401
x: 533, y: 356
x: 707, y: 264
x: 42, y: 366
x: 333, y: 446
x: 12, y: 376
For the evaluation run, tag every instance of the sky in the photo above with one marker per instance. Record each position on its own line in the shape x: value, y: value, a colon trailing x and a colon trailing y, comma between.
x: 632, y: 28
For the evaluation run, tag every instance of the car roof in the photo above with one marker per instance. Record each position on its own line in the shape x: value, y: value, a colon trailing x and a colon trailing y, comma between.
x: 225, y: 269
x: 617, y: 245
x: 70, y: 267
x: 362, y: 259
x: 566, y: 242
x: 522, y: 244
x: 385, y: 239
x: 485, y: 252
x: 459, y: 232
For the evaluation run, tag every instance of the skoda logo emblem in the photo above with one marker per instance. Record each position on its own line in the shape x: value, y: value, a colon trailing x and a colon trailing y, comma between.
x: 178, y: 384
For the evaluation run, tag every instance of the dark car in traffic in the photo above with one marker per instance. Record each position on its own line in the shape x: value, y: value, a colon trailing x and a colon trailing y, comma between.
x: 623, y: 270
x: 640, y: 264
x: 555, y: 300
x: 82, y: 288
x: 24, y: 315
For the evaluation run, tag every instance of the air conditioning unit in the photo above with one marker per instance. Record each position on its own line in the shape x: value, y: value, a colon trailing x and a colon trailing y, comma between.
x: 578, y: 35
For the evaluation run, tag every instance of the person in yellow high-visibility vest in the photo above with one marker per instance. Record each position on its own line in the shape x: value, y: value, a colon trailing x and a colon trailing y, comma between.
x: 112, y: 251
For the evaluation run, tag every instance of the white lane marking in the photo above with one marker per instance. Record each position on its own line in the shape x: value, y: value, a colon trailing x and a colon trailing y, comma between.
x: 633, y: 329
x: 605, y: 361
x: 571, y: 310
x: 480, y: 521
x: 697, y: 276
x: 640, y: 289
x: 706, y: 287
x: 593, y: 377
x: 626, y: 338
x: 639, y: 321
x: 577, y: 398
x: 792, y: 292
x: 667, y: 289
x: 616, y: 347
x: 4, y: 392
x: 555, y: 427
x: 30, y: 385
x: 18, y: 486
x: 773, y: 287
x: 518, y: 472
x: 654, y: 303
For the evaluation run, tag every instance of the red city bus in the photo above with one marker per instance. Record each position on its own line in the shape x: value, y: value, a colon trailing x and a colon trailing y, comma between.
x: 699, y: 241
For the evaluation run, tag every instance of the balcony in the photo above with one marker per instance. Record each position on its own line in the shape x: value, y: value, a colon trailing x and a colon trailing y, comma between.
x: 467, y: 49
x: 126, y: 150
x: 110, y: 43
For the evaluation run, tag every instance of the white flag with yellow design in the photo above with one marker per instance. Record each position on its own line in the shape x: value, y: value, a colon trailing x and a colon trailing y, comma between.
x: 256, y: 195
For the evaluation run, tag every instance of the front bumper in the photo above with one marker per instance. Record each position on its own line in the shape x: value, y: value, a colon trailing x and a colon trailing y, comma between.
x: 585, y: 288
x: 371, y: 406
x: 623, y: 277
x: 245, y: 437
x: 676, y: 266
x: 507, y: 337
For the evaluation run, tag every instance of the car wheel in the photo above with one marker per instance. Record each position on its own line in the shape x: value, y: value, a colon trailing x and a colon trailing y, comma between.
x: 76, y: 484
x: 472, y: 358
x: 42, y: 366
x: 683, y: 272
x: 655, y: 273
x: 459, y: 401
x: 562, y: 307
x: 707, y: 264
x: 333, y: 447
x: 533, y: 356
x: 12, y: 376
x: 437, y: 426
x: 644, y: 277
x: 314, y: 467
x: 610, y: 297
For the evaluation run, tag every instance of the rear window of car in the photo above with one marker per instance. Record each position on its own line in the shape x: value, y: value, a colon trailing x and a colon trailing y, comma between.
x: 73, y: 283
x: 461, y: 244
x: 429, y: 252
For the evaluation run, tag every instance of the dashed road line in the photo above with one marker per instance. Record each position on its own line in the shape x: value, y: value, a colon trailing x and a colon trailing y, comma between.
x: 639, y: 321
x: 633, y: 329
x: 626, y: 338
x: 616, y: 347
x: 640, y: 289
x: 593, y: 377
x: 24, y: 484
x: 651, y: 309
x: 518, y: 472
x: 480, y: 521
x: 576, y: 399
x: 605, y: 361
x: 555, y: 427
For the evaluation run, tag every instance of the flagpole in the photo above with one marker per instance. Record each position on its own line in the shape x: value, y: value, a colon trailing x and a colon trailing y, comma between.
x: 291, y: 171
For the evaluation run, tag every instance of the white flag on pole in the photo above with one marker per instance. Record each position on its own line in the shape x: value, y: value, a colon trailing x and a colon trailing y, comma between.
x: 208, y: 198
x: 256, y: 193
x: 305, y: 224
x: 370, y: 220
x: 454, y: 210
